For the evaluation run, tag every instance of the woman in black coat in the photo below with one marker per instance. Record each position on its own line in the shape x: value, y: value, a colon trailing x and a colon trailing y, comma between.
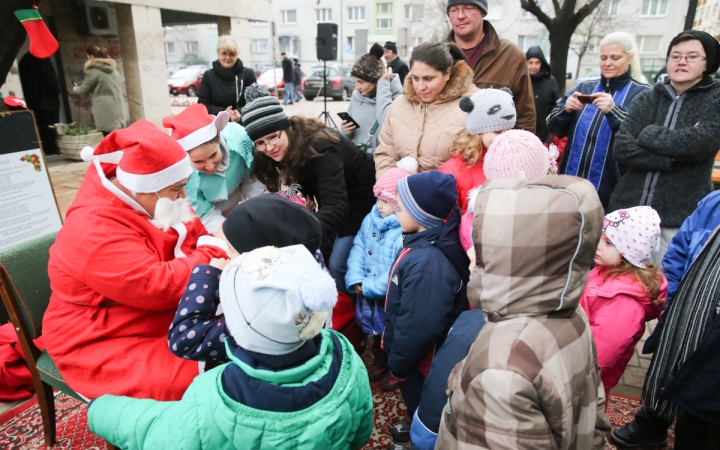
x: 545, y: 89
x: 223, y: 87
x: 332, y: 172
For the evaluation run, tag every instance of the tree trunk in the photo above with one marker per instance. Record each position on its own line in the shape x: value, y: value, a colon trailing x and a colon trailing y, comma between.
x: 559, y: 47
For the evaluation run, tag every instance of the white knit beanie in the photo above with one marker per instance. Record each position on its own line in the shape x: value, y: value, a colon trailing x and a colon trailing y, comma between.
x: 274, y: 299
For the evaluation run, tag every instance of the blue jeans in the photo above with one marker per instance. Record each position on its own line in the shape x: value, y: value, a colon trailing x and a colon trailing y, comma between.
x: 338, y: 261
x: 298, y: 95
x: 289, y: 89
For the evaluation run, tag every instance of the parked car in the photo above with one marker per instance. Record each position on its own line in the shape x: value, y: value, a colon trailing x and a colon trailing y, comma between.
x: 339, y: 83
x: 274, y: 82
x: 187, y: 80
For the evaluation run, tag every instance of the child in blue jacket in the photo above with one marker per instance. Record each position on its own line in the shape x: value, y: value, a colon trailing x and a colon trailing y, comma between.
x: 428, y: 283
x: 374, y: 249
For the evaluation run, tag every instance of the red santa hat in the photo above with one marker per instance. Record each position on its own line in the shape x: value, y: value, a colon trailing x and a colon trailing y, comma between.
x: 148, y: 160
x: 195, y: 126
x: 14, y: 102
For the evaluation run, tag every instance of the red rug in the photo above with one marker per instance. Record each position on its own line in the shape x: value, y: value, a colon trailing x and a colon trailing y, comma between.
x: 24, y: 431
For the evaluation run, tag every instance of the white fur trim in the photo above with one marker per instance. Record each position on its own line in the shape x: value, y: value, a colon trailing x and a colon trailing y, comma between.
x: 87, y: 153
x: 212, y: 241
x: 114, y: 189
x: 204, y: 134
x: 157, y: 181
x: 408, y: 164
x: 472, y: 196
x: 182, y: 234
x: 318, y: 291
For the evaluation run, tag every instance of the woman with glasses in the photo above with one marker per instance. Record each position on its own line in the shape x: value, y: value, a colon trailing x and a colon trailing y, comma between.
x: 334, y: 174
x: 591, y: 113
x: 671, y: 136
x: 669, y: 142
x: 221, y: 156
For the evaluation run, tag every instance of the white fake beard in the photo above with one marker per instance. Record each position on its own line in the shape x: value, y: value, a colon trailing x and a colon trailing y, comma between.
x: 172, y: 212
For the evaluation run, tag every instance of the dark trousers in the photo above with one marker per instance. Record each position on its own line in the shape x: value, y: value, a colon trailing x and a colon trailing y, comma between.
x: 48, y: 136
x: 411, y: 389
x: 648, y: 421
x: 692, y: 433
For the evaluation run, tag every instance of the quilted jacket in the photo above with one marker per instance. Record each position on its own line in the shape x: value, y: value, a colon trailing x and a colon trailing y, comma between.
x: 424, y: 131
x: 531, y: 379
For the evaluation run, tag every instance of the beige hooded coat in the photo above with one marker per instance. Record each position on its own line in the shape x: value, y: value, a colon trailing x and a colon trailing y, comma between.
x: 531, y: 379
x: 424, y: 131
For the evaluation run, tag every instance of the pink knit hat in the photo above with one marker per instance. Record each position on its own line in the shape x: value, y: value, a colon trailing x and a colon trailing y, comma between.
x: 386, y: 186
x: 516, y: 154
x: 635, y: 233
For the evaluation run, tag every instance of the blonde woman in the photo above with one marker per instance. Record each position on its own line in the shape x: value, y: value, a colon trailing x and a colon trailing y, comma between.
x: 223, y: 86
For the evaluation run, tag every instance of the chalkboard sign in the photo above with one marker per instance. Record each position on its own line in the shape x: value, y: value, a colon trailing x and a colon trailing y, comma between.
x: 28, y: 208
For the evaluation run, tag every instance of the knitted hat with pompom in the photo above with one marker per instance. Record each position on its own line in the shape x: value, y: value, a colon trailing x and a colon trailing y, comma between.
x: 369, y: 67
x: 386, y: 186
x: 262, y: 113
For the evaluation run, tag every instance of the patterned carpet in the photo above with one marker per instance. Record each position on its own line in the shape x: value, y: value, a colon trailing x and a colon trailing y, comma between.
x: 24, y: 431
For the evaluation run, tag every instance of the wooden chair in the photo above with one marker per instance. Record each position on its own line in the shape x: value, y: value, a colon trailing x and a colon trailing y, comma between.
x: 25, y: 291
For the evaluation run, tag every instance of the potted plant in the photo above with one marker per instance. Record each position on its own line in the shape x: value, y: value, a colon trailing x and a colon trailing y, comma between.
x: 72, y: 138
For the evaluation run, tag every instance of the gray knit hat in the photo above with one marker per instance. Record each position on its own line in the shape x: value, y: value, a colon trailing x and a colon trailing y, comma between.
x: 489, y: 110
x: 369, y: 67
x: 262, y: 113
x: 482, y: 4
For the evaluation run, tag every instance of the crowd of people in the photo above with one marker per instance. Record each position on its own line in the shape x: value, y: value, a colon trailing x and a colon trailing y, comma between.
x: 214, y: 286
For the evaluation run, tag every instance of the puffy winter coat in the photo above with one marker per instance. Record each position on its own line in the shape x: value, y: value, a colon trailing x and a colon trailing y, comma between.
x: 426, y: 293
x: 530, y: 380
x: 374, y: 250
x: 366, y: 111
x: 591, y: 133
x: 253, y: 408
x: 102, y: 82
x: 545, y: 91
x: 465, y: 179
x: 617, y: 309
x: 221, y: 87
x: 669, y: 144
x: 424, y: 131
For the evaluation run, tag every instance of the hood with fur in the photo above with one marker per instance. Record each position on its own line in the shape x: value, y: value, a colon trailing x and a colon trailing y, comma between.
x: 107, y: 65
x: 460, y: 81
x: 535, y: 240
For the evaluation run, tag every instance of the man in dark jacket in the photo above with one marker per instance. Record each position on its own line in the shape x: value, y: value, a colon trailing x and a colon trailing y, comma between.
x: 545, y: 89
x: 496, y: 62
x: 223, y: 87
x: 41, y: 89
x: 289, y: 78
x: 297, y: 79
x: 394, y: 62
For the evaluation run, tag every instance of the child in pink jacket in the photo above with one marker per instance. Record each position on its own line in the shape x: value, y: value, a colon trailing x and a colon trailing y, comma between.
x: 623, y: 290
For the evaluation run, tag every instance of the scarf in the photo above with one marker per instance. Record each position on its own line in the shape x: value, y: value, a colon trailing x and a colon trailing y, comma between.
x: 689, y: 317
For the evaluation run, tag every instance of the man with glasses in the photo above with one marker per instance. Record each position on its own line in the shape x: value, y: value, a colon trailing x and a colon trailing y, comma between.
x: 496, y: 62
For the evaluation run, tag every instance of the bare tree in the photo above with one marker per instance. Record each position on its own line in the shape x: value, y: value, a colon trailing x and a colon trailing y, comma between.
x: 568, y: 16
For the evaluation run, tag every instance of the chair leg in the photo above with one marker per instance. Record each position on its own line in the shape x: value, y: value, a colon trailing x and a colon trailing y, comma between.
x: 46, y: 401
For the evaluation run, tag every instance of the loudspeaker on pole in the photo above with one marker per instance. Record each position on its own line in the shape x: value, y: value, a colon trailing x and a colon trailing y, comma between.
x: 326, y: 41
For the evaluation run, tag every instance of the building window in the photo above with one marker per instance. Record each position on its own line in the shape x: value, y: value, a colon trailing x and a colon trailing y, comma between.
x: 323, y: 15
x: 350, y: 46
x: 384, y: 8
x: 384, y: 24
x: 289, y: 16
x: 417, y: 41
x: 260, y: 45
x: 290, y: 45
x: 495, y: 10
x: 524, y: 14
x: 610, y: 8
x: 169, y: 48
x: 192, y: 47
x: 413, y: 12
x: 654, y: 8
x: 356, y: 14
x: 649, y: 44
x: 525, y: 42
x: 594, y: 43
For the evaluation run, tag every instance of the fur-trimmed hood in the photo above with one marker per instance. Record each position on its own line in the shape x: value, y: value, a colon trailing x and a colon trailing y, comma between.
x: 460, y: 81
x: 107, y: 65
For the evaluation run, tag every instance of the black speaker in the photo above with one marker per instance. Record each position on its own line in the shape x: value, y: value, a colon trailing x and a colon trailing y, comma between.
x: 326, y: 41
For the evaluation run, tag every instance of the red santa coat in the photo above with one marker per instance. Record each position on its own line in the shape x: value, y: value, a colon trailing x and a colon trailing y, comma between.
x: 116, y: 281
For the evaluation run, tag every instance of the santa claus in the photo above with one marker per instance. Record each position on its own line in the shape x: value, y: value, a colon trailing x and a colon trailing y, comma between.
x: 120, y: 265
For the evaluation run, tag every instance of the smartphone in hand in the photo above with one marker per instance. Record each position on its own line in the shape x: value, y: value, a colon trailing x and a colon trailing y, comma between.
x: 74, y: 83
x: 345, y: 116
x: 586, y: 99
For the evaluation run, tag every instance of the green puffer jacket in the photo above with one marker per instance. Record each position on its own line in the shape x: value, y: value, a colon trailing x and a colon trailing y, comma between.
x: 102, y: 81
x: 206, y: 418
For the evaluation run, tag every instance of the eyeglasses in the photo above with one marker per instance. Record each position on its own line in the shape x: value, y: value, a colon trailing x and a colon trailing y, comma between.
x: 455, y: 10
x: 675, y: 58
x: 262, y: 146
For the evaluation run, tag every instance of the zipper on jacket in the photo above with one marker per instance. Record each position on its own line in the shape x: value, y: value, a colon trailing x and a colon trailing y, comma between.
x: 426, y: 107
x: 237, y: 94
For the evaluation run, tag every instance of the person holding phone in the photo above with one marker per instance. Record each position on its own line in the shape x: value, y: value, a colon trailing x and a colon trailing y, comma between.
x: 591, y: 113
x: 375, y: 88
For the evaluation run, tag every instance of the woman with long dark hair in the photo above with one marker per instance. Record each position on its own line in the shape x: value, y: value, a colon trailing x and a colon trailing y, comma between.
x: 331, y: 171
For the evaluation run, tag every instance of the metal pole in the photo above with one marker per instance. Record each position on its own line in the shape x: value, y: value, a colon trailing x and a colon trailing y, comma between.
x: 342, y: 42
x: 690, y: 17
x: 277, y: 94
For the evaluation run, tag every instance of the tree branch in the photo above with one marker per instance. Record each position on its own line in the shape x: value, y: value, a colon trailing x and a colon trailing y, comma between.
x: 587, y: 9
x: 532, y: 7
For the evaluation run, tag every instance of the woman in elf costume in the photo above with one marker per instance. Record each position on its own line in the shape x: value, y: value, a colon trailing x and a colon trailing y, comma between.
x: 221, y: 154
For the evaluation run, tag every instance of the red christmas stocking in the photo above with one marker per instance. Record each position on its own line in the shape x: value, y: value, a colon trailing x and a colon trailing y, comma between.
x: 42, y: 43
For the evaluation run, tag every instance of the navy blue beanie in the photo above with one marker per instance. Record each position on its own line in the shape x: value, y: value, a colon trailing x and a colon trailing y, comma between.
x: 428, y: 197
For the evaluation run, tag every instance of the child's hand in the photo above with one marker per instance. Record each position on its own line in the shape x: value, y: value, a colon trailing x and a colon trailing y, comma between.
x: 219, y: 263
x: 358, y: 289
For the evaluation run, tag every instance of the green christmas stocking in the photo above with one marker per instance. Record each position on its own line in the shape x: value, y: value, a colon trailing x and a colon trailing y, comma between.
x: 42, y: 43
